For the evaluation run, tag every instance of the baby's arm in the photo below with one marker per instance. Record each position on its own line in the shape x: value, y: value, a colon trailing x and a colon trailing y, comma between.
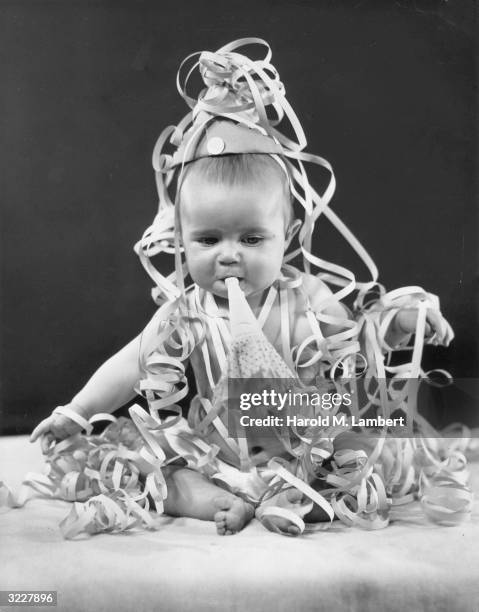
x: 110, y: 387
x: 402, y: 325
x: 331, y: 316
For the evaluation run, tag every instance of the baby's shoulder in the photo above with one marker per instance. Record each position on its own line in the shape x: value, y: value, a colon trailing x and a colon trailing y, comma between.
x: 317, y: 292
x: 171, y: 329
x: 314, y: 287
x: 321, y: 297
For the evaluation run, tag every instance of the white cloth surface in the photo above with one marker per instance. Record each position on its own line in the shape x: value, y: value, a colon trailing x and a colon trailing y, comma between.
x: 411, y: 565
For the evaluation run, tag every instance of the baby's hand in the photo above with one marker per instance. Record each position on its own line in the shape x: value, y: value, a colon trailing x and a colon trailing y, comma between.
x: 53, y: 428
x: 436, y: 325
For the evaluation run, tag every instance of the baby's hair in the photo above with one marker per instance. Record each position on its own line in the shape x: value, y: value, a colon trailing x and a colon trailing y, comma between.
x: 238, y: 169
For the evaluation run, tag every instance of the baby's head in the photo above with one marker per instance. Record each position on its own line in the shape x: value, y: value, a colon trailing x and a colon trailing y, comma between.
x: 235, y: 215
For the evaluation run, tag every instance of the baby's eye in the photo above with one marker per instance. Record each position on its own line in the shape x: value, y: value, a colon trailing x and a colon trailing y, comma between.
x: 252, y: 240
x: 208, y: 240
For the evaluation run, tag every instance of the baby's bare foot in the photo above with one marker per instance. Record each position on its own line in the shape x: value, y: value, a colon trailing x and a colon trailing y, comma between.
x: 233, y: 514
x: 289, y: 500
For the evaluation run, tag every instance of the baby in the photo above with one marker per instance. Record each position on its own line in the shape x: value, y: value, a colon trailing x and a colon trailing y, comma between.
x: 234, y: 217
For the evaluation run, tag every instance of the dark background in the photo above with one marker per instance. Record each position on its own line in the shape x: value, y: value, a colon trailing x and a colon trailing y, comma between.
x: 385, y: 91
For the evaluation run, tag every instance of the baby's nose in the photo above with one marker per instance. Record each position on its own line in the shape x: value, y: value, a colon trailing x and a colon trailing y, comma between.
x: 229, y: 254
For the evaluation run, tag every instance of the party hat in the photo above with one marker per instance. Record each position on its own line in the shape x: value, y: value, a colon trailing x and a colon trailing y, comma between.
x: 240, y: 109
x: 223, y: 138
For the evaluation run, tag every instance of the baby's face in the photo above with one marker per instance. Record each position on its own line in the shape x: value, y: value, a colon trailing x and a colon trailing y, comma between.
x: 233, y: 230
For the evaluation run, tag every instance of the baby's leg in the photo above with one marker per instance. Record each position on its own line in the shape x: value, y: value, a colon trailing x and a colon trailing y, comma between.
x: 192, y: 494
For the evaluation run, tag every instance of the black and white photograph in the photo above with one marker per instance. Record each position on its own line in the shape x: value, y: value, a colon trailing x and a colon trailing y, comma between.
x: 239, y: 305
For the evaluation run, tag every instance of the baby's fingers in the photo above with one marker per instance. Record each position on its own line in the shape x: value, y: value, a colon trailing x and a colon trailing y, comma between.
x: 449, y: 334
x: 433, y: 321
x: 46, y: 441
x: 42, y: 428
x: 440, y: 327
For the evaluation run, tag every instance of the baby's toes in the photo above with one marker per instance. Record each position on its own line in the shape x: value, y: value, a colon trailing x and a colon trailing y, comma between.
x: 233, y: 514
x: 294, y: 496
x: 282, y: 525
x: 220, y: 520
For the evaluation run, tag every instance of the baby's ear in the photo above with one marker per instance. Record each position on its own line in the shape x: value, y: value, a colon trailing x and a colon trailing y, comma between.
x: 292, y: 230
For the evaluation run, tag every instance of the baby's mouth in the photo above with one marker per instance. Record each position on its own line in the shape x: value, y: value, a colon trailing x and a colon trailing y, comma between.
x: 223, y: 278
